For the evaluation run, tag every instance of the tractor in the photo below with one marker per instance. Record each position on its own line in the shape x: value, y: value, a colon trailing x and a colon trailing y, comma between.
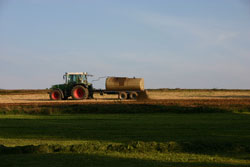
x: 76, y: 85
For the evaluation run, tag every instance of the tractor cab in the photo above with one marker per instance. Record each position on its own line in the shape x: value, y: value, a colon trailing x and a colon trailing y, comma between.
x: 76, y: 78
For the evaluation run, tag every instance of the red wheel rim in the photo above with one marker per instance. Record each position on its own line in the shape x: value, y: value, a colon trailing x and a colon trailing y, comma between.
x: 78, y: 93
x: 55, y: 95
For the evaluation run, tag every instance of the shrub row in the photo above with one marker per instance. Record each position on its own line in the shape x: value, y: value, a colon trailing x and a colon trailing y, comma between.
x: 136, y: 146
x: 112, y: 109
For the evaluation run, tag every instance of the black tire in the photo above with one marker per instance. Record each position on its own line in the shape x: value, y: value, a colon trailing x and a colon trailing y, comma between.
x: 79, y: 93
x: 55, y: 95
x: 133, y: 95
x: 122, y: 96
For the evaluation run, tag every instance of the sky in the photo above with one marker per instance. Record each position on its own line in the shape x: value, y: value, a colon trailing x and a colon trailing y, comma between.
x: 192, y: 44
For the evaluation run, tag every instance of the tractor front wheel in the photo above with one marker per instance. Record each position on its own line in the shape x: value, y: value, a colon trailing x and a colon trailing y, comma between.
x: 79, y: 93
x: 55, y: 95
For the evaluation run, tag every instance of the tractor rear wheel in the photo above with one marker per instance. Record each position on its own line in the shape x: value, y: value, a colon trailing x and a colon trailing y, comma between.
x: 79, y: 93
x: 55, y: 95
x: 122, y: 95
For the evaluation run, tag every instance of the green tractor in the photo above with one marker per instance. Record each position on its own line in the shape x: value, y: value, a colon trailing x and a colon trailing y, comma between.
x: 76, y: 85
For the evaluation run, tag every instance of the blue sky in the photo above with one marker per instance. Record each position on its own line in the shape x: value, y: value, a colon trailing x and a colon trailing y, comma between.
x: 171, y: 44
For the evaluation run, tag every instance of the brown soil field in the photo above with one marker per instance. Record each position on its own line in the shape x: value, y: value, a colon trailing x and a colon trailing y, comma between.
x: 229, y: 98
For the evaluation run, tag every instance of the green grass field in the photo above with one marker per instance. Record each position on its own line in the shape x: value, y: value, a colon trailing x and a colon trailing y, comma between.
x: 132, y: 139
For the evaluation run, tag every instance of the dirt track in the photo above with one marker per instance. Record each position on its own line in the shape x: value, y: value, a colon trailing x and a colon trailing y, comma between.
x: 186, y: 98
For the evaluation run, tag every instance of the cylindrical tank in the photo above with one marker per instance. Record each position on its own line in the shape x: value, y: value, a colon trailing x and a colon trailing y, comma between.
x: 124, y: 84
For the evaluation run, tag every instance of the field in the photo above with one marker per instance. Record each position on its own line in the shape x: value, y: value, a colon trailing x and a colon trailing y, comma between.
x: 171, y: 128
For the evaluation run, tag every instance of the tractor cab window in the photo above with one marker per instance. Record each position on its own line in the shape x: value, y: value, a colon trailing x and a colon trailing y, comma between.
x: 72, y: 78
x: 76, y: 78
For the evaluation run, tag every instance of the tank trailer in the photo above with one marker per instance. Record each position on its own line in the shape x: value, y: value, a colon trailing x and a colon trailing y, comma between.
x: 76, y: 85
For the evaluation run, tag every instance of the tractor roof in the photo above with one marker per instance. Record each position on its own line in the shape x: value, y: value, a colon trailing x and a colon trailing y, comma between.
x: 76, y: 73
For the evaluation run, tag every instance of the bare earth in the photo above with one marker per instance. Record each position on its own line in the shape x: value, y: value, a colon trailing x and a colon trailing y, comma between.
x: 182, y: 97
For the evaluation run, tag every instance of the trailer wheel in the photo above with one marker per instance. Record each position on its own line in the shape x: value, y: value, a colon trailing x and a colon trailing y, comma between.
x: 122, y: 95
x: 55, y: 95
x: 79, y: 93
x: 133, y: 95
